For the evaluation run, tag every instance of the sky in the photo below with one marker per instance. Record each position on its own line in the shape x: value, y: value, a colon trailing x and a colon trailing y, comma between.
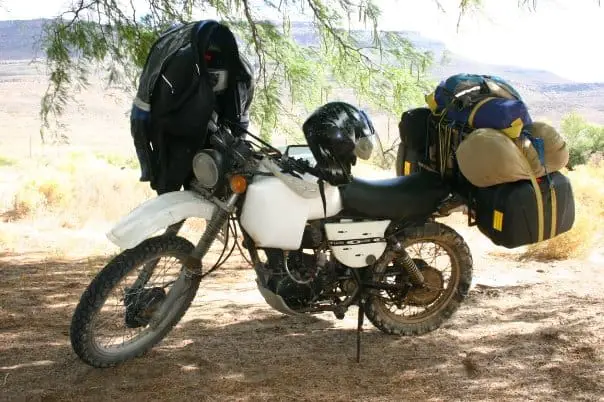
x: 561, y: 36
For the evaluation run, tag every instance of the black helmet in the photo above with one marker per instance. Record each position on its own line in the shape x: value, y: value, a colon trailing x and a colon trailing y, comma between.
x: 337, y: 133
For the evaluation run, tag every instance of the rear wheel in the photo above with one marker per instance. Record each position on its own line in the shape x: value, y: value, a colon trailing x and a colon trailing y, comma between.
x: 111, y: 323
x: 422, y: 310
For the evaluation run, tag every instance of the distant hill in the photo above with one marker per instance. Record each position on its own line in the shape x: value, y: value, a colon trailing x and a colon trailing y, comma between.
x: 548, y: 95
x: 19, y: 39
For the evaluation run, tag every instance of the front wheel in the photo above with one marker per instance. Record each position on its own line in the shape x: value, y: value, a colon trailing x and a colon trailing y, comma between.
x: 115, y: 319
x: 421, y: 310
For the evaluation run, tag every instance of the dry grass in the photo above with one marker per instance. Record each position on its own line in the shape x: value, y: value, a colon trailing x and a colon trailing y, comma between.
x: 119, y: 161
x: 79, y: 187
x: 588, y: 187
x: 4, y: 161
x: 74, y: 190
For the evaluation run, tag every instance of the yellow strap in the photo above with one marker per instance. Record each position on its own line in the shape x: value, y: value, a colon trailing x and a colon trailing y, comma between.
x: 554, y: 211
x: 431, y: 101
x: 475, y: 109
x: 538, y: 196
x: 444, y: 142
x: 539, y: 200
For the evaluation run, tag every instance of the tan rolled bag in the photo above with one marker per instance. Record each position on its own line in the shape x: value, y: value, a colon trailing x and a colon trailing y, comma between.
x: 488, y: 157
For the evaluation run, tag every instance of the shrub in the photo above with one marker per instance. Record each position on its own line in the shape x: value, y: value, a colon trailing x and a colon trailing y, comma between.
x: 383, y: 161
x: 583, y: 139
x: 587, y: 182
x: 49, y: 191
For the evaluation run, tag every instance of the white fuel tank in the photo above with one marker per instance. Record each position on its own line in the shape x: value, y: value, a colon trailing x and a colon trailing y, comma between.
x: 274, y: 215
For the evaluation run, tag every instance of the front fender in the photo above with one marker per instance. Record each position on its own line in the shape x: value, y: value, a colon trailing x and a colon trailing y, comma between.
x: 156, y: 214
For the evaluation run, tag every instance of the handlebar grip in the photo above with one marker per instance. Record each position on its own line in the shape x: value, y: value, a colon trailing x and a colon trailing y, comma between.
x: 303, y: 166
x: 219, y: 141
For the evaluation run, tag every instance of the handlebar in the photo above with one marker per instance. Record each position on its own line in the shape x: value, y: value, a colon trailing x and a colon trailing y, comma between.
x: 224, y: 141
x: 247, y: 158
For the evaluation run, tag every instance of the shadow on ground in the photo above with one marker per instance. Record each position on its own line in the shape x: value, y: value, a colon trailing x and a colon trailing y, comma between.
x: 534, y: 348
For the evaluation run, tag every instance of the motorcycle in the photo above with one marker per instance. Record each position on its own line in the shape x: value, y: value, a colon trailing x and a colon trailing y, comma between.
x: 315, y: 247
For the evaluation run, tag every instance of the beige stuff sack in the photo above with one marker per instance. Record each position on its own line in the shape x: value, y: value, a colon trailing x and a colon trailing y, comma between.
x: 555, y: 151
x: 488, y: 157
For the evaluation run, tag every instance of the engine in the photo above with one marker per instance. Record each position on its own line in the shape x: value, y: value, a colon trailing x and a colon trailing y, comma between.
x: 304, y: 276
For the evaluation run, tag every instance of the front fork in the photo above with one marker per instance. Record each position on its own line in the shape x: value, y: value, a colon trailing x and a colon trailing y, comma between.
x: 193, y: 264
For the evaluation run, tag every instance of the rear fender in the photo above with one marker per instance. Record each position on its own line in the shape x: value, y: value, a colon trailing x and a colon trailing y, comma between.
x: 156, y: 214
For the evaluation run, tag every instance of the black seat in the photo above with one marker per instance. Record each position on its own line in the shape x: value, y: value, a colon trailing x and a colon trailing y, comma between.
x: 404, y: 197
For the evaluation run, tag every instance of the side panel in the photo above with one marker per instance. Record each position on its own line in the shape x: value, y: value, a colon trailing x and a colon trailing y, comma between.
x: 353, y: 243
x: 156, y: 214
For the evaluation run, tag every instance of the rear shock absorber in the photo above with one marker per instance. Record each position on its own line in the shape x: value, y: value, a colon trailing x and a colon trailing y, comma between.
x: 410, y: 266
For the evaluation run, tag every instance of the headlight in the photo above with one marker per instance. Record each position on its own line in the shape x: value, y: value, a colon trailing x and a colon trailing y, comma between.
x: 206, y: 169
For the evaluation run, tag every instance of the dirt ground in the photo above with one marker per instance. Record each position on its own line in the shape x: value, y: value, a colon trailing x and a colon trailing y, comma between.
x: 527, y: 332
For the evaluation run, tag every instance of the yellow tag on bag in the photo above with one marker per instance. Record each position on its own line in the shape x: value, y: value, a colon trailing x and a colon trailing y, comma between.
x: 498, y: 220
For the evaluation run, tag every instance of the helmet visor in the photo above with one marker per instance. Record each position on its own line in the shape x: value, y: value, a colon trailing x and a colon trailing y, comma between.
x: 364, y: 147
x: 364, y: 144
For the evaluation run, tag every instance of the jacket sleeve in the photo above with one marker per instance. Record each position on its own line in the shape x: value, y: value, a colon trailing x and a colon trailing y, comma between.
x: 246, y: 93
x: 139, y: 128
x: 246, y: 87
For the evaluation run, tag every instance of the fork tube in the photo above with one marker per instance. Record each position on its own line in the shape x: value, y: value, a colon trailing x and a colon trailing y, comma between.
x: 221, y: 215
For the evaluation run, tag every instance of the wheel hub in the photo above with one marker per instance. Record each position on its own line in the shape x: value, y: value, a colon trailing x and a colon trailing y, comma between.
x: 141, y: 305
x: 427, y: 294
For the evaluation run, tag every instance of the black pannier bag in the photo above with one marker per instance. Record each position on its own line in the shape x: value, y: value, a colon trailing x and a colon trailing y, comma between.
x: 413, y: 132
x: 192, y: 71
x: 508, y: 213
x: 428, y: 142
x: 444, y: 138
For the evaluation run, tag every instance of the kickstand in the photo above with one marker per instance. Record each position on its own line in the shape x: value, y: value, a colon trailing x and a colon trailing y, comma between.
x: 360, y: 328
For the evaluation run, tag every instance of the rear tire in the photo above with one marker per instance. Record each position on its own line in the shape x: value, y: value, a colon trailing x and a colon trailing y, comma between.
x: 95, y: 295
x: 461, y: 260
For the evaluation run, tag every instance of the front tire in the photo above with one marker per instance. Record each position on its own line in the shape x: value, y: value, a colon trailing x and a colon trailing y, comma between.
x: 83, y: 331
x: 439, y: 307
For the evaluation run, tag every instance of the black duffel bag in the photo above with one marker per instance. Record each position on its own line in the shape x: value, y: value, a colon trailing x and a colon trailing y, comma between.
x: 508, y: 213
